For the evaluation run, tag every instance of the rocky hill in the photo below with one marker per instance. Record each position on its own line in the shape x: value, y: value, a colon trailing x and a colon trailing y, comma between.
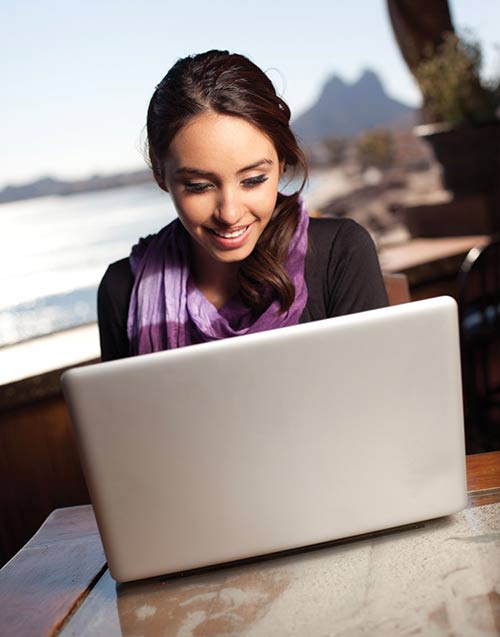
x: 344, y: 110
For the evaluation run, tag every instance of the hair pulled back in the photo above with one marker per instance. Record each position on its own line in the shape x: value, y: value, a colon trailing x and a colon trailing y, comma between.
x: 230, y: 84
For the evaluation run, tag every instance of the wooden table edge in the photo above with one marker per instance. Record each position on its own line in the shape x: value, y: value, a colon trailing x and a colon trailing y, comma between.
x: 483, y: 478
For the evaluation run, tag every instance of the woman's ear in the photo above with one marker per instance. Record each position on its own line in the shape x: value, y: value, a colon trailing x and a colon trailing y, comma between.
x: 161, y: 182
x: 159, y: 175
x: 282, y: 167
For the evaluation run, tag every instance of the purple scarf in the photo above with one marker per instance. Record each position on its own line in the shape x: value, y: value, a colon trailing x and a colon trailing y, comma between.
x: 167, y: 310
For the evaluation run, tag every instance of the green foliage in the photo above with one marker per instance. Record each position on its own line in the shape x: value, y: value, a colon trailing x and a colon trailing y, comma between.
x: 450, y: 80
x: 375, y: 148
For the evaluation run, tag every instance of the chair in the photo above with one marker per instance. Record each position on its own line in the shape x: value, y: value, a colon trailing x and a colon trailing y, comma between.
x: 396, y: 286
x: 479, y: 313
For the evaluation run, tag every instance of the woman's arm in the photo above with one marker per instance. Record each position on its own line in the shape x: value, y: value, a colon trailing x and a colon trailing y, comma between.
x: 113, y: 297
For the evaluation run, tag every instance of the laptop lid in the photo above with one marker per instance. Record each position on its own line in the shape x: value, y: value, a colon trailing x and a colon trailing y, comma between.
x: 271, y: 441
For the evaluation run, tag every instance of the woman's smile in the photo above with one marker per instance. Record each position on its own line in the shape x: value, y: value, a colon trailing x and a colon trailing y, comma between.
x: 232, y: 237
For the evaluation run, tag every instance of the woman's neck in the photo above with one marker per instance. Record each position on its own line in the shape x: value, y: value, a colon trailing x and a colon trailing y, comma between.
x: 217, y: 281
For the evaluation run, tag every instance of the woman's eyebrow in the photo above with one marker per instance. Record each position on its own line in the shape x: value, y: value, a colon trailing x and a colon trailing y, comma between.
x: 193, y: 171
x: 256, y: 164
x: 205, y: 173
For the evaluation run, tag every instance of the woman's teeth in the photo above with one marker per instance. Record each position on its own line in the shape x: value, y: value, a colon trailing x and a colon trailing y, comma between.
x: 230, y: 235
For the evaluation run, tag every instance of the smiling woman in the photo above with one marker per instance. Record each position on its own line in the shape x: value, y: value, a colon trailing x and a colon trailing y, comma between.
x: 241, y: 257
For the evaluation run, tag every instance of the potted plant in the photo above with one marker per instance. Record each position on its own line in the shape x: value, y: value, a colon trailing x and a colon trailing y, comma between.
x: 465, y: 135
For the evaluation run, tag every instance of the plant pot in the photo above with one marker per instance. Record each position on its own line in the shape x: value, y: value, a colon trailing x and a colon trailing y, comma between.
x: 469, y: 156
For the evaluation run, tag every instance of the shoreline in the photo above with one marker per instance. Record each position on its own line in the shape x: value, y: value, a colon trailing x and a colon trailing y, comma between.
x: 334, y: 183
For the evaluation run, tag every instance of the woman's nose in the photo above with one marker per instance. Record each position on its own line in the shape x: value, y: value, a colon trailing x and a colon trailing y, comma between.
x: 229, y: 209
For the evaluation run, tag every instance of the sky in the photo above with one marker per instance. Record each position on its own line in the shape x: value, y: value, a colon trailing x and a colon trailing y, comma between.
x: 77, y: 76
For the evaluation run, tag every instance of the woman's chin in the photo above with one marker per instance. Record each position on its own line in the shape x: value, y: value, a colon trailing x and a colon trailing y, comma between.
x: 232, y: 256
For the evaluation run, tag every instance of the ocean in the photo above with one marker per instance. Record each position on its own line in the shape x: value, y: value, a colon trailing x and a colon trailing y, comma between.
x: 54, y: 251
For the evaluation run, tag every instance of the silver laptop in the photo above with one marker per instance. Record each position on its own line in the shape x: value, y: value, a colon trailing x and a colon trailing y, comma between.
x: 272, y: 441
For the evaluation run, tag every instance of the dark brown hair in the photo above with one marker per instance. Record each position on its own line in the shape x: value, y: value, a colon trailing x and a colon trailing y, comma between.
x: 231, y: 84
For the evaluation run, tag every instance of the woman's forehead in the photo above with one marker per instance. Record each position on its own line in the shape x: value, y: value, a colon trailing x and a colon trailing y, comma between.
x: 212, y: 139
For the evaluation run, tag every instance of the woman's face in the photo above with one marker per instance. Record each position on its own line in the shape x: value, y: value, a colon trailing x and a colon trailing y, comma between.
x: 222, y: 174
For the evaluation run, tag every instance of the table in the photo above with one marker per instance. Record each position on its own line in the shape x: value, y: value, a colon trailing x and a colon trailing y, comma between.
x: 430, y: 264
x: 436, y: 578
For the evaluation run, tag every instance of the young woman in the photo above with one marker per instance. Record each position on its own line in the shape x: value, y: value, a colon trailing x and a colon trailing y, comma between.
x: 241, y: 257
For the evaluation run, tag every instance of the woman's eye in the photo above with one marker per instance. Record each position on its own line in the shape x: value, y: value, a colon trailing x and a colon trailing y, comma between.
x: 254, y: 181
x: 197, y: 186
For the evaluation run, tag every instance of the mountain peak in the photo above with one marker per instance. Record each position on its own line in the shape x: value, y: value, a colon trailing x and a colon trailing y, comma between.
x: 335, y: 81
x: 333, y: 86
x: 345, y: 109
x: 370, y: 81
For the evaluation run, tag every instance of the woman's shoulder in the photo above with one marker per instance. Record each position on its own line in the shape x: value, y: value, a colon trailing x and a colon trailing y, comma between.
x: 113, y: 296
x: 115, y: 288
x: 342, y: 268
x: 332, y: 226
x: 325, y: 232
x: 118, y: 275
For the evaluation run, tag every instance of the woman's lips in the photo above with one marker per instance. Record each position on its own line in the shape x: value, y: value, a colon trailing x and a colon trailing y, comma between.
x: 230, y: 237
